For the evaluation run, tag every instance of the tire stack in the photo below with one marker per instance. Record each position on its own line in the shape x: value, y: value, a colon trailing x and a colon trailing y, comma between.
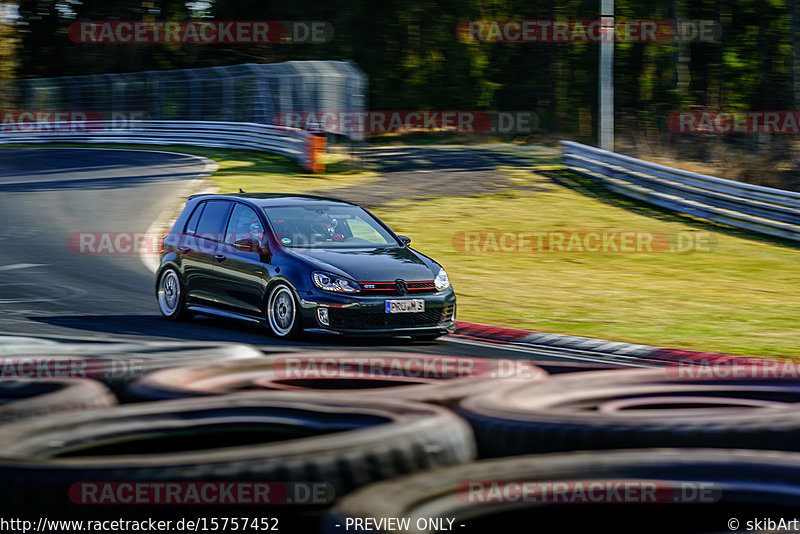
x: 398, y: 435
x: 227, y: 413
x: 718, y: 451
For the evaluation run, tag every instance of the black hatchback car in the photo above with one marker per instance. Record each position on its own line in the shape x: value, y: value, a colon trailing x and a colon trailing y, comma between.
x: 300, y: 263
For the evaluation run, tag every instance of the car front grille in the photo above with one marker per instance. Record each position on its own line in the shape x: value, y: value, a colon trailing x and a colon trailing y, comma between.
x: 421, y: 287
x: 358, y: 319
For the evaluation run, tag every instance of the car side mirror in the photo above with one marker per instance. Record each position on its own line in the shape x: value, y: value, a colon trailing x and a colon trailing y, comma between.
x: 251, y: 244
x: 248, y: 244
x: 404, y: 240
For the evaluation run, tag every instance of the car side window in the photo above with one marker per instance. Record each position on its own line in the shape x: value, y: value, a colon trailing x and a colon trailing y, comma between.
x: 191, y: 225
x: 213, y: 219
x: 243, y: 223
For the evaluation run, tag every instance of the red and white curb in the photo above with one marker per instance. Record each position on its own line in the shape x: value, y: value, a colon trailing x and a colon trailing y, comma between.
x: 485, y: 332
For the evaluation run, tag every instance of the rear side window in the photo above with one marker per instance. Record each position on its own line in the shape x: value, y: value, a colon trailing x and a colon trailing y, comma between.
x: 191, y: 225
x: 213, y: 219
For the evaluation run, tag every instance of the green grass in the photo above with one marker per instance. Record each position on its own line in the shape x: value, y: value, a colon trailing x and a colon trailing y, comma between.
x: 268, y: 172
x: 737, y: 298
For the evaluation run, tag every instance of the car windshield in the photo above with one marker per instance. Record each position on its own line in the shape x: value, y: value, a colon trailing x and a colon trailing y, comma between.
x: 327, y: 227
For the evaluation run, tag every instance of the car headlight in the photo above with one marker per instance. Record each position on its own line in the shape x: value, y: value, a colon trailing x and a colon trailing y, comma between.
x: 331, y: 282
x: 441, y: 281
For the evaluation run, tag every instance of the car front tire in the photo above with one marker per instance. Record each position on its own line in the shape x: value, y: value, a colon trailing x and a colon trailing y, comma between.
x: 283, y: 317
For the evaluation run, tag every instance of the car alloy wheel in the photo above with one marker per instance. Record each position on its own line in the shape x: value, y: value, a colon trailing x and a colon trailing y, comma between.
x: 170, y: 294
x: 282, y: 312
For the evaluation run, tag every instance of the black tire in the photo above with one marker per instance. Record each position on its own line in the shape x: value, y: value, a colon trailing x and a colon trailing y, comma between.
x: 728, y: 484
x: 635, y: 408
x: 282, y: 312
x: 118, y: 364
x: 281, y: 437
x: 21, y: 399
x: 422, y: 377
x: 170, y: 295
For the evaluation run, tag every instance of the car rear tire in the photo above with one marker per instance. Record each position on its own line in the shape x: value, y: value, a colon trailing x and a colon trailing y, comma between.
x: 283, y: 318
x: 170, y: 295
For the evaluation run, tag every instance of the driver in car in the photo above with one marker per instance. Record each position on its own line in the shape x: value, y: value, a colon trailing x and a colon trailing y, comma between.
x: 324, y: 229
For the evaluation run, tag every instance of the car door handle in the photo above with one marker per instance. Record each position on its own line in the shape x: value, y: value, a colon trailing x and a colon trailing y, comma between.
x: 220, y: 257
x: 184, y: 249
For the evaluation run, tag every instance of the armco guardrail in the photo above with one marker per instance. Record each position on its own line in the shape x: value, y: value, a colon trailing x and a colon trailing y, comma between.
x: 288, y: 141
x: 756, y: 208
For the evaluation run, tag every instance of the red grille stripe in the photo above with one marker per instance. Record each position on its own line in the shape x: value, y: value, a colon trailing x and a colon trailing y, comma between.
x: 392, y: 283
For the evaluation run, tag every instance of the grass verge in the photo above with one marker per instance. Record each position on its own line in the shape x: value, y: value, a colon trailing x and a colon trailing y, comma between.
x: 731, y: 294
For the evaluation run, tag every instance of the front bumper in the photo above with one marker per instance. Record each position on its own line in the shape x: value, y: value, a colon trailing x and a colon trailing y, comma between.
x: 366, y: 315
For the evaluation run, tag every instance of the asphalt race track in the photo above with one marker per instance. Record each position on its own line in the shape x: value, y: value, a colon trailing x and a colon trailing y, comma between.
x: 49, y: 194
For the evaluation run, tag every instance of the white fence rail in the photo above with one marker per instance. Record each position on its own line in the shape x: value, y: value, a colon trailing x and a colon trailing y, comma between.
x: 755, y: 208
x: 236, y: 135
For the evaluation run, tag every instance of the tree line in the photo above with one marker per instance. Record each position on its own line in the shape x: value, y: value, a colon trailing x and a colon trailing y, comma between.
x: 415, y: 58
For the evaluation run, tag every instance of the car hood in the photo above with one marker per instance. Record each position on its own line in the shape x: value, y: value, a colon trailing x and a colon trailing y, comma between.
x: 371, y: 265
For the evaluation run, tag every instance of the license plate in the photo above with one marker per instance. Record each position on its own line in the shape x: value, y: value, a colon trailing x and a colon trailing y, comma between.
x: 405, y: 306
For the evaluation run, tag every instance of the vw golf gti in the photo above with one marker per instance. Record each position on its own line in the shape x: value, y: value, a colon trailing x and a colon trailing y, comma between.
x: 300, y: 263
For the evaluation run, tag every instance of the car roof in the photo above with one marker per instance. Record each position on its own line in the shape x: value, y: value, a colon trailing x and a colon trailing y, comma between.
x: 266, y: 200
